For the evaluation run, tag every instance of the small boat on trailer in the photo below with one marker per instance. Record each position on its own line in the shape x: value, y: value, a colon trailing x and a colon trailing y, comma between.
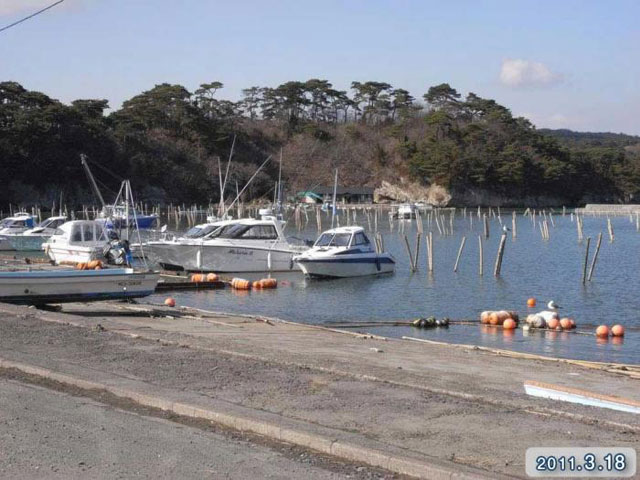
x: 344, y: 252
x: 40, y: 287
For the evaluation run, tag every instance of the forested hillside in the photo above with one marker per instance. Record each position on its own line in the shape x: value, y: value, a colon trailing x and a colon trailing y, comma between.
x: 167, y: 140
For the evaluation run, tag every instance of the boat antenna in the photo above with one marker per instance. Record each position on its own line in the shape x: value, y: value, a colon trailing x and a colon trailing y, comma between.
x: 245, y: 187
x: 279, y: 211
x: 94, y: 185
x: 221, y: 205
x: 335, y: 190
x: 226, y: 173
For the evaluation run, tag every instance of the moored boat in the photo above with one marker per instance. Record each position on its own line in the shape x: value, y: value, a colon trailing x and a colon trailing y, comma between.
x: 245, y: 245
x: 66, y: 285
x: 33, y: 238
x: 344, y: 252
x: 14, y: 225
x: 78, y: 241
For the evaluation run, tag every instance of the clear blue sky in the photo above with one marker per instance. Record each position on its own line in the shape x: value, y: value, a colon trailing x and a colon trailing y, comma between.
x: 562, y: 63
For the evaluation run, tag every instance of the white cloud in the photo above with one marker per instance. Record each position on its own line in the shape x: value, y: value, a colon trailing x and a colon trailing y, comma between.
x: 525, y: 73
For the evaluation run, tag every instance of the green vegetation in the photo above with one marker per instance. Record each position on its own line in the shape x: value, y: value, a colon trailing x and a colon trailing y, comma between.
x: 168, y: 141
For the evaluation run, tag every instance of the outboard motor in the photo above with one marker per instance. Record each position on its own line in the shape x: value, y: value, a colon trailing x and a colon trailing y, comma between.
x: 118, y: 253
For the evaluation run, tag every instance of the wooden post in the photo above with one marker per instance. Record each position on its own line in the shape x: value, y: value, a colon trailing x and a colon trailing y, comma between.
x: 610, y: 228
x: 486, y: 226
x: 406, y: 242
x: 514, y: 227
x: 595, y: 256
x: 455, y: 267
x: 498, y: 265
x: 481, y: 255
x: 429, y: 241
x: 415, y: 258
x: 586, y: 261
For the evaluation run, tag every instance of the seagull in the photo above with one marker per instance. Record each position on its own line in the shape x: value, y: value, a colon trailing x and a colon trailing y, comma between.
x: 553, y: 306
x: 505, y: 229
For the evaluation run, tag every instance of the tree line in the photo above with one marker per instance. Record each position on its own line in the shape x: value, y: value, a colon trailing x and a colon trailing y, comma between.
x: 170, y: 142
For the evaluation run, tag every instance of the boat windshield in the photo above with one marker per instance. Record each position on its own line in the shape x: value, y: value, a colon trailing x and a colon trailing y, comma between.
x: 200, y: 231
x: 333, y: 240
x: 51, y: 223
x: 251, y: 232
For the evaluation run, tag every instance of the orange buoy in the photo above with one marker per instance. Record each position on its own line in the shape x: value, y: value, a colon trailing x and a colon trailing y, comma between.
x: 170, y: 302
x: 617, y: 331
x: 484, y: 317
x: 240, y: 284
x: 565, y: 323
x: 509, y: 324
x: 212, y: 277
x: 494, y: 319
x: 196, y: 277
x: 553, y: 323
x: 256, y: 285
x: 531, y: 302
x: 573, y: 323
x: 602, y: 331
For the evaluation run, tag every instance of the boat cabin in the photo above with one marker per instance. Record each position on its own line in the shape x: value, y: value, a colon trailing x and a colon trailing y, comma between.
x: 16, y: 224
x: 349, y: 237
x: 81, y: 232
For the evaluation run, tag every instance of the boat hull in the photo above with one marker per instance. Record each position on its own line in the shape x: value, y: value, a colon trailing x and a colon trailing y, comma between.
x: 42, y: 287
x: 221, y: 258
x: 76, y: 254
x: 28, y: 243
x: 342, y: 266
x: 5, y: 244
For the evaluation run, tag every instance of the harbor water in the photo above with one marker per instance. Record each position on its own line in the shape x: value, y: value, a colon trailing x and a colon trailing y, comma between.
x: 547, y: 269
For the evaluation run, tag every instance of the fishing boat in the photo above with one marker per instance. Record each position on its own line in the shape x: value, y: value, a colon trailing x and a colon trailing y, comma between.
x: 57, y: 286
x: 118, y: 217
x: 78, y: 241
x: 33, y: 238
x: 244, y: 245
x: 14, y: 225
x: 344, y: 252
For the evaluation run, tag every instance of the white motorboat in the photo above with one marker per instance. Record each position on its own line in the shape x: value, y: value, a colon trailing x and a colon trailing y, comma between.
x: 78, y: 241
x: 406, y: 211
x: 57, y: 286
x: 245, y: 245
x: 344, y: 252
x: 32, y: 239
x: 14, y: 225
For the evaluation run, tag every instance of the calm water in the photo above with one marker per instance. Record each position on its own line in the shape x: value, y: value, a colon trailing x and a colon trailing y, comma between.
x: 545, y: 269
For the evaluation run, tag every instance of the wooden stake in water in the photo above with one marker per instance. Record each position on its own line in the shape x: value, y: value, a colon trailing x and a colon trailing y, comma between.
x: 610, y: 228
x: 514, y: 228
x: 595, y: 256
x: 481, y: 255
x: 455, y: 267
x: 486, y: 226
x: 415, y: 258
x: 586, y: 261
x: 430, y: 252
x: 498, y: 265
x: 411, y: 265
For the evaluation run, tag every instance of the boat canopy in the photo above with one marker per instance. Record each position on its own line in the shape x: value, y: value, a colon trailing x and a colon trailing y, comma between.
x: 17, y: 221
x: 78, y: 232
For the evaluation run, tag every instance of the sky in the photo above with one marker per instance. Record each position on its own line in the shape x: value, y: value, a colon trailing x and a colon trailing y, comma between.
x: 562, y: 64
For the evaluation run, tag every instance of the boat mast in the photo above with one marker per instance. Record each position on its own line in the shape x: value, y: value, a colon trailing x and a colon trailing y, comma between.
x: 335, y: 190
x: 279, y: 189
x: 226, y: 174
x: 96, y: 190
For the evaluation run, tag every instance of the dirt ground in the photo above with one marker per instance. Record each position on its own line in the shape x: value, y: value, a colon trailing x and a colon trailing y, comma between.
x: 457, y: 405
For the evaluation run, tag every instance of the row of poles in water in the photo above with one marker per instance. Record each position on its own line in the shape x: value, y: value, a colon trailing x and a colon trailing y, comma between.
x: 441, y: 218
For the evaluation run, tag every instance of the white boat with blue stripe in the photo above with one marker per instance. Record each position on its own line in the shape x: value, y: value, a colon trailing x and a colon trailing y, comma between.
x: 344, y: 252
